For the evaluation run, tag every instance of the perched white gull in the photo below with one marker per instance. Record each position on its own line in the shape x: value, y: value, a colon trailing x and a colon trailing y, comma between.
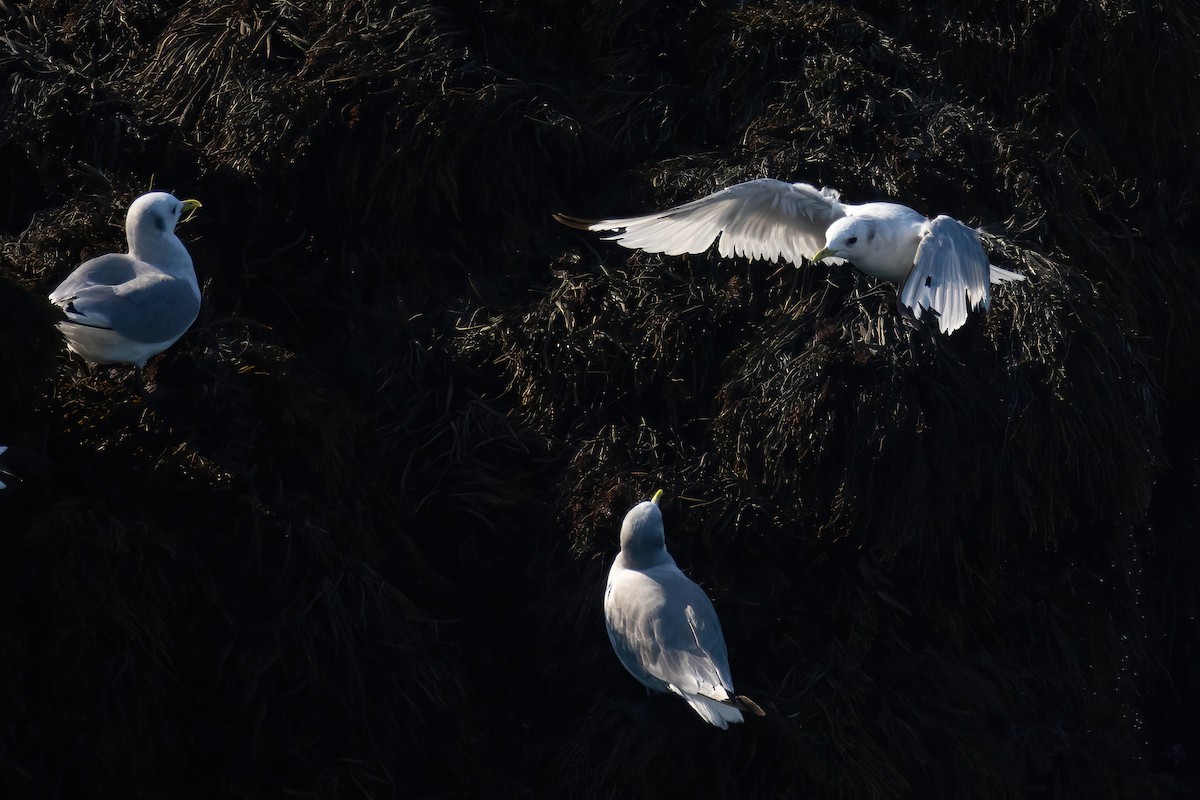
x: 662, y: 625
x: 939, y: 263
x: 126, y: 308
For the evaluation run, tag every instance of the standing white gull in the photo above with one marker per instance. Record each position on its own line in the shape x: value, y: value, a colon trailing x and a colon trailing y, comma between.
x: 126, y: 308
x: 939, y: 263
x: 663, y: 627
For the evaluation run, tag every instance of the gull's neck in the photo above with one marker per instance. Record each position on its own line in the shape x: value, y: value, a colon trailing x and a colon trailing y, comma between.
x: 633, y: 556
x: 162, y: 249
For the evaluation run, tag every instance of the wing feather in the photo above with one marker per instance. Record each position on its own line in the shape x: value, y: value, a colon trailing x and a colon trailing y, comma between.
x: 763, y: 219
x: 666, y: 633
x: 950, y: 274
x: 106, y: 270
x: 132, y: 298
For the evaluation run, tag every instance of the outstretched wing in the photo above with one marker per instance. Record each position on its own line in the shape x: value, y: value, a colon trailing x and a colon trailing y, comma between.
x: 950, y: 274
x: 760, y: 219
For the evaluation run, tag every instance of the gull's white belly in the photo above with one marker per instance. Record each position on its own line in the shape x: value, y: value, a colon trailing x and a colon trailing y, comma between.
x: 104, y: 346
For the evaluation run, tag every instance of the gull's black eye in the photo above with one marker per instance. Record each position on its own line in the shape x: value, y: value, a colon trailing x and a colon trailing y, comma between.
x: 852, y: 240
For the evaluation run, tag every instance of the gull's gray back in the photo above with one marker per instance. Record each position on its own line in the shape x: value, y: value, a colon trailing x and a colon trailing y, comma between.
x: 665, y: 631
x: 131, y: 297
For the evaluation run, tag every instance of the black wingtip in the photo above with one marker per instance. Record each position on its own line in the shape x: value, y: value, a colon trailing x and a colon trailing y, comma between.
x: 746, y: 704
x: 574, y: 222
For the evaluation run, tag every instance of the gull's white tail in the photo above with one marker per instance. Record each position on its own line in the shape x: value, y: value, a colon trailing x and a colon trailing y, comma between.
x: 714, y: 712
x: 1000, y: 275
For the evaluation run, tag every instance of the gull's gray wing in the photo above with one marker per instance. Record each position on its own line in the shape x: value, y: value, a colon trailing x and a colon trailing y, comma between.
x: 129, y: 297
x: 106, y: 270
x: 665, y: 631
x: 760, y: 219
x: 950, y: 274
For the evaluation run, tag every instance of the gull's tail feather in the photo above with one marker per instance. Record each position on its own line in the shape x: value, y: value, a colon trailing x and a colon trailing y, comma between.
x: 1001, y: 275
x: 714, y: 712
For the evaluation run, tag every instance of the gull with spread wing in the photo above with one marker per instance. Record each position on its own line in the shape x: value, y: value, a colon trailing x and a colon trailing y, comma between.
x: 939, y: 264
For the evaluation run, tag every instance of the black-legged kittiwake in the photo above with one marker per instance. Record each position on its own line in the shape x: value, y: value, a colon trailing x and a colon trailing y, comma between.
x: 939, y: 264
x: 662, y: 625
x: 126, y: 308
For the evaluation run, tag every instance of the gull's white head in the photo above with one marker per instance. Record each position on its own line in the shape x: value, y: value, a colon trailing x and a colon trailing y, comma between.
x: 851, y: 238
x: 643, y: 540
x: 156, y: 214
x: 150, y: 228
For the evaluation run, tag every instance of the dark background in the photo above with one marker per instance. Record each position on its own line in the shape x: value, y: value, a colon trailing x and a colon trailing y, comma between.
x: 348, y: 537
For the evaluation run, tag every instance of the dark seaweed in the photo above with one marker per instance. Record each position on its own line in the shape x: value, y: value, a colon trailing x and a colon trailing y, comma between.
x: 348, y: 537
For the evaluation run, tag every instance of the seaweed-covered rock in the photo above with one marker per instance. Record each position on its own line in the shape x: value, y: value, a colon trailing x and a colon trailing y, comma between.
x: 348, y: 536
